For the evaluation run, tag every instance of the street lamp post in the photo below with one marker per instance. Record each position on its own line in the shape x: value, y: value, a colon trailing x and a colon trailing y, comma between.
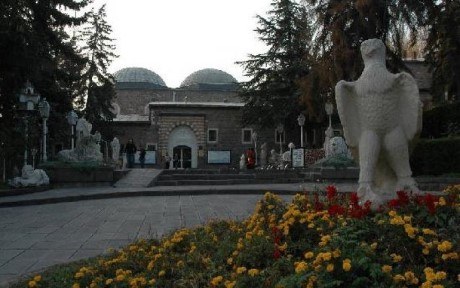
x: 301, y: 121
x: 329, y: 133
x: 29, y: 98
x: 280, y: 129
x: 291, y: 148
x: 72, y: 119
x: 44, y: 109
x: 254, y: 139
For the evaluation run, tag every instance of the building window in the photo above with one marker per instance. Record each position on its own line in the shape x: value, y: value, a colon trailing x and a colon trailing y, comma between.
x: 279, y: 136
x: 212, y: 135
x: 246, y: 136
x: 151, y: 147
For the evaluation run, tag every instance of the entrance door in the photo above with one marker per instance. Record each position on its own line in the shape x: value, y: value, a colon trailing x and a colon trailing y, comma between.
x: 182, y: 156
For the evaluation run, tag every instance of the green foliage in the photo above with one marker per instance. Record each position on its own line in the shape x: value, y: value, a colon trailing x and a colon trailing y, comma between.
x: 443, y: 50
x: 441, y: 121
x: 436, y: 157
x: 271, y: 95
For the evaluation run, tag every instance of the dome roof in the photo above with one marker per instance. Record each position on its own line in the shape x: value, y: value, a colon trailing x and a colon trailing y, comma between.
x: 138, y: 75
x: 208, y: 76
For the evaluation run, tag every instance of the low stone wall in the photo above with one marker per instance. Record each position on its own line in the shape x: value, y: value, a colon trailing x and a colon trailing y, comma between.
x: 80, y: 176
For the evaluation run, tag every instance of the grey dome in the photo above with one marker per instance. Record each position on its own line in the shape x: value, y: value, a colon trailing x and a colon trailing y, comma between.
x: 138, y: 75
x: 208, y: 76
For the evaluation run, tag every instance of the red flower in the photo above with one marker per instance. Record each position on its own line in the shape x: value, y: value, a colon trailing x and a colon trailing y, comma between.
x: 403, y: 198
x: 318, y: 205
x: 331, y: 192
x: 336, y: 210
x: 393, y: 203
x: 354, y: 199
x: 277, y: 253
x: 429, y: 202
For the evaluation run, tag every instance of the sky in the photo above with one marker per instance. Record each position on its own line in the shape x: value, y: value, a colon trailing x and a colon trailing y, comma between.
x: 175, y: 38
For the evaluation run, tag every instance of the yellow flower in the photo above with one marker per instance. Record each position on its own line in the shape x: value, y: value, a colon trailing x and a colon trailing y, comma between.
x: 346, y: 265
x: 336, y: 253
x: 387, y: 268
x: 392, y: 213
x: 108, y: 281
x: 76, y: 285
x: 216, y: 280
x: 253, y: 272
x: 300, y: 266
x: 398, y: 278
x: 374, y: 246
x: 229, y: 284
x: 79, y: 275
x: 327, y: 256
x: 396, y: 257
x: 330, y: 267
x: 426, y: 284
x: 240, y: 270
x: 230, y: 261
x: 444, y: 246
x: 410, y: 277
x: 438, y: 286
x: 309, y: 255
x: 120, y: 277
x: 441, y: 275
x: 442, y: 201
x: 38, y: 278
x: 426, y: 251
x: 161, y: 273
x: 32, y: 284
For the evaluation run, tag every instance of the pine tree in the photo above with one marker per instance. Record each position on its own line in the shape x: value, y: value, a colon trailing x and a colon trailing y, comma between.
x: 97, y: 81
x: 271, y: 95
x: 341, y: 26
x: 443, y: 50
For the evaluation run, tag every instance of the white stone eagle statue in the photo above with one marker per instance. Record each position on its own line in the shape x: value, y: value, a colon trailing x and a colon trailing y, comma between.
x: 380, y: 113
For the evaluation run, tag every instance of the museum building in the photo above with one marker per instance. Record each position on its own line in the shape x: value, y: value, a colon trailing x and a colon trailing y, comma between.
x: 199, y: 122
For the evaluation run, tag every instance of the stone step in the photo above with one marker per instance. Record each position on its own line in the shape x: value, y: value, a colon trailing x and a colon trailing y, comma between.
x: 203, y: 176
x: 225, y: 182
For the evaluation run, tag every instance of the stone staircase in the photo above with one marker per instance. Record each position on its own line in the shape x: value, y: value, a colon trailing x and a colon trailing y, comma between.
x: 226, y: 177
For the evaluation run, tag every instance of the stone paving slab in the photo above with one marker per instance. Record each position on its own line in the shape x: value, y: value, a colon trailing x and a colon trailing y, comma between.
x: 78, y: 230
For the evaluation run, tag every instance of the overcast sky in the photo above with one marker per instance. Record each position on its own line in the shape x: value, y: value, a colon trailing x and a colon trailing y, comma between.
x: 174, y: 38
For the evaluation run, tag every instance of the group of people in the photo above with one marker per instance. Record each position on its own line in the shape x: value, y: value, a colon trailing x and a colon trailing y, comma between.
x: 167, y: 161
x: 130, y: 150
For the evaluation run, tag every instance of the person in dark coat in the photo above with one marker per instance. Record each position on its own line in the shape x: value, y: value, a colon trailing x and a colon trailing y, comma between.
x: 130, y: 150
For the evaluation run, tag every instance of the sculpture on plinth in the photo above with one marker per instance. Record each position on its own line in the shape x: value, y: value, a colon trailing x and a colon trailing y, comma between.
x: 381, y: 114
x: 263, y: 154
x: 30, y: 177
x: 115, y: 144
x: 337, y: 155
x: 87, y: 147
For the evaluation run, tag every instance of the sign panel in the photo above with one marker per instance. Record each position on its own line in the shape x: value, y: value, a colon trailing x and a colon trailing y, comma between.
x: 219, y: 157
x: 298, y: 158
x: 150, y: 157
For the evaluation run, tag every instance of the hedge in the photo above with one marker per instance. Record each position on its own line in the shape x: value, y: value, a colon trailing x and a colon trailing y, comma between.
x: 441, y: 121
x: 436, y: 156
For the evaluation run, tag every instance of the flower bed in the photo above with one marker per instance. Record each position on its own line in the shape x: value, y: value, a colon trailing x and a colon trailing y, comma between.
x: 321, y: 240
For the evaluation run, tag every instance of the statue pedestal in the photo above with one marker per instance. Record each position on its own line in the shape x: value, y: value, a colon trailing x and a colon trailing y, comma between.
x: 70, y: 176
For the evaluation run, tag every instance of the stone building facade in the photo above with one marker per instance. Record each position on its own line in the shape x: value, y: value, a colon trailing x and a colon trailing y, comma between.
x: 199, y: 123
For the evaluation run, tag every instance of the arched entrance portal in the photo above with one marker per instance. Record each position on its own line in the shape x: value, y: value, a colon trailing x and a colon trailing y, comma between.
x: 182, y: 144
x: 183, y: 156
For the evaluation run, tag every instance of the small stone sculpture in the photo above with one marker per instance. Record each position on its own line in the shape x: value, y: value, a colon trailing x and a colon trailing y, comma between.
x: 242, y: 162
x: 380, y: 113
x: 327, y: 141
x: 263, y: 154
x: 338, y: 155
x: 87, y: 148
x: 115, y: 144
x: 30, y: 177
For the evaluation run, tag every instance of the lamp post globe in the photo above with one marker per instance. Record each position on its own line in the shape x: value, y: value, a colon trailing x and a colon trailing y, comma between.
x: 72, y: 119
x: 301, y: 121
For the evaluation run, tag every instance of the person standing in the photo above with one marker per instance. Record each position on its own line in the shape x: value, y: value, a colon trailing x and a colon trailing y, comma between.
x: 130, y: 150
x: 167, y: 159
x: 142, y: 157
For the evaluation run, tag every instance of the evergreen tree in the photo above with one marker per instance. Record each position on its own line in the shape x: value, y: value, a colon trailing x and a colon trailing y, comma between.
x: 271, y: 95
x: 33, y: 46
x: 341, y: 26
x: 443, y: 50
x: 98, y: 83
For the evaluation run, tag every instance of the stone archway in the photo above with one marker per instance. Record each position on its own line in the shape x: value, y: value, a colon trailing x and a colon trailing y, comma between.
x: 183, y: 136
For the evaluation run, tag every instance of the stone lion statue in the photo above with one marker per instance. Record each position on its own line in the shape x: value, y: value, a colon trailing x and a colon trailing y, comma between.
x: 30, y: 177
x: 380, y: 113
x: 338, y: 147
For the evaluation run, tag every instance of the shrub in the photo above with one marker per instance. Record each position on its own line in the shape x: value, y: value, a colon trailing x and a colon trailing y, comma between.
x: 441, y: 121
x: 436, y: 157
